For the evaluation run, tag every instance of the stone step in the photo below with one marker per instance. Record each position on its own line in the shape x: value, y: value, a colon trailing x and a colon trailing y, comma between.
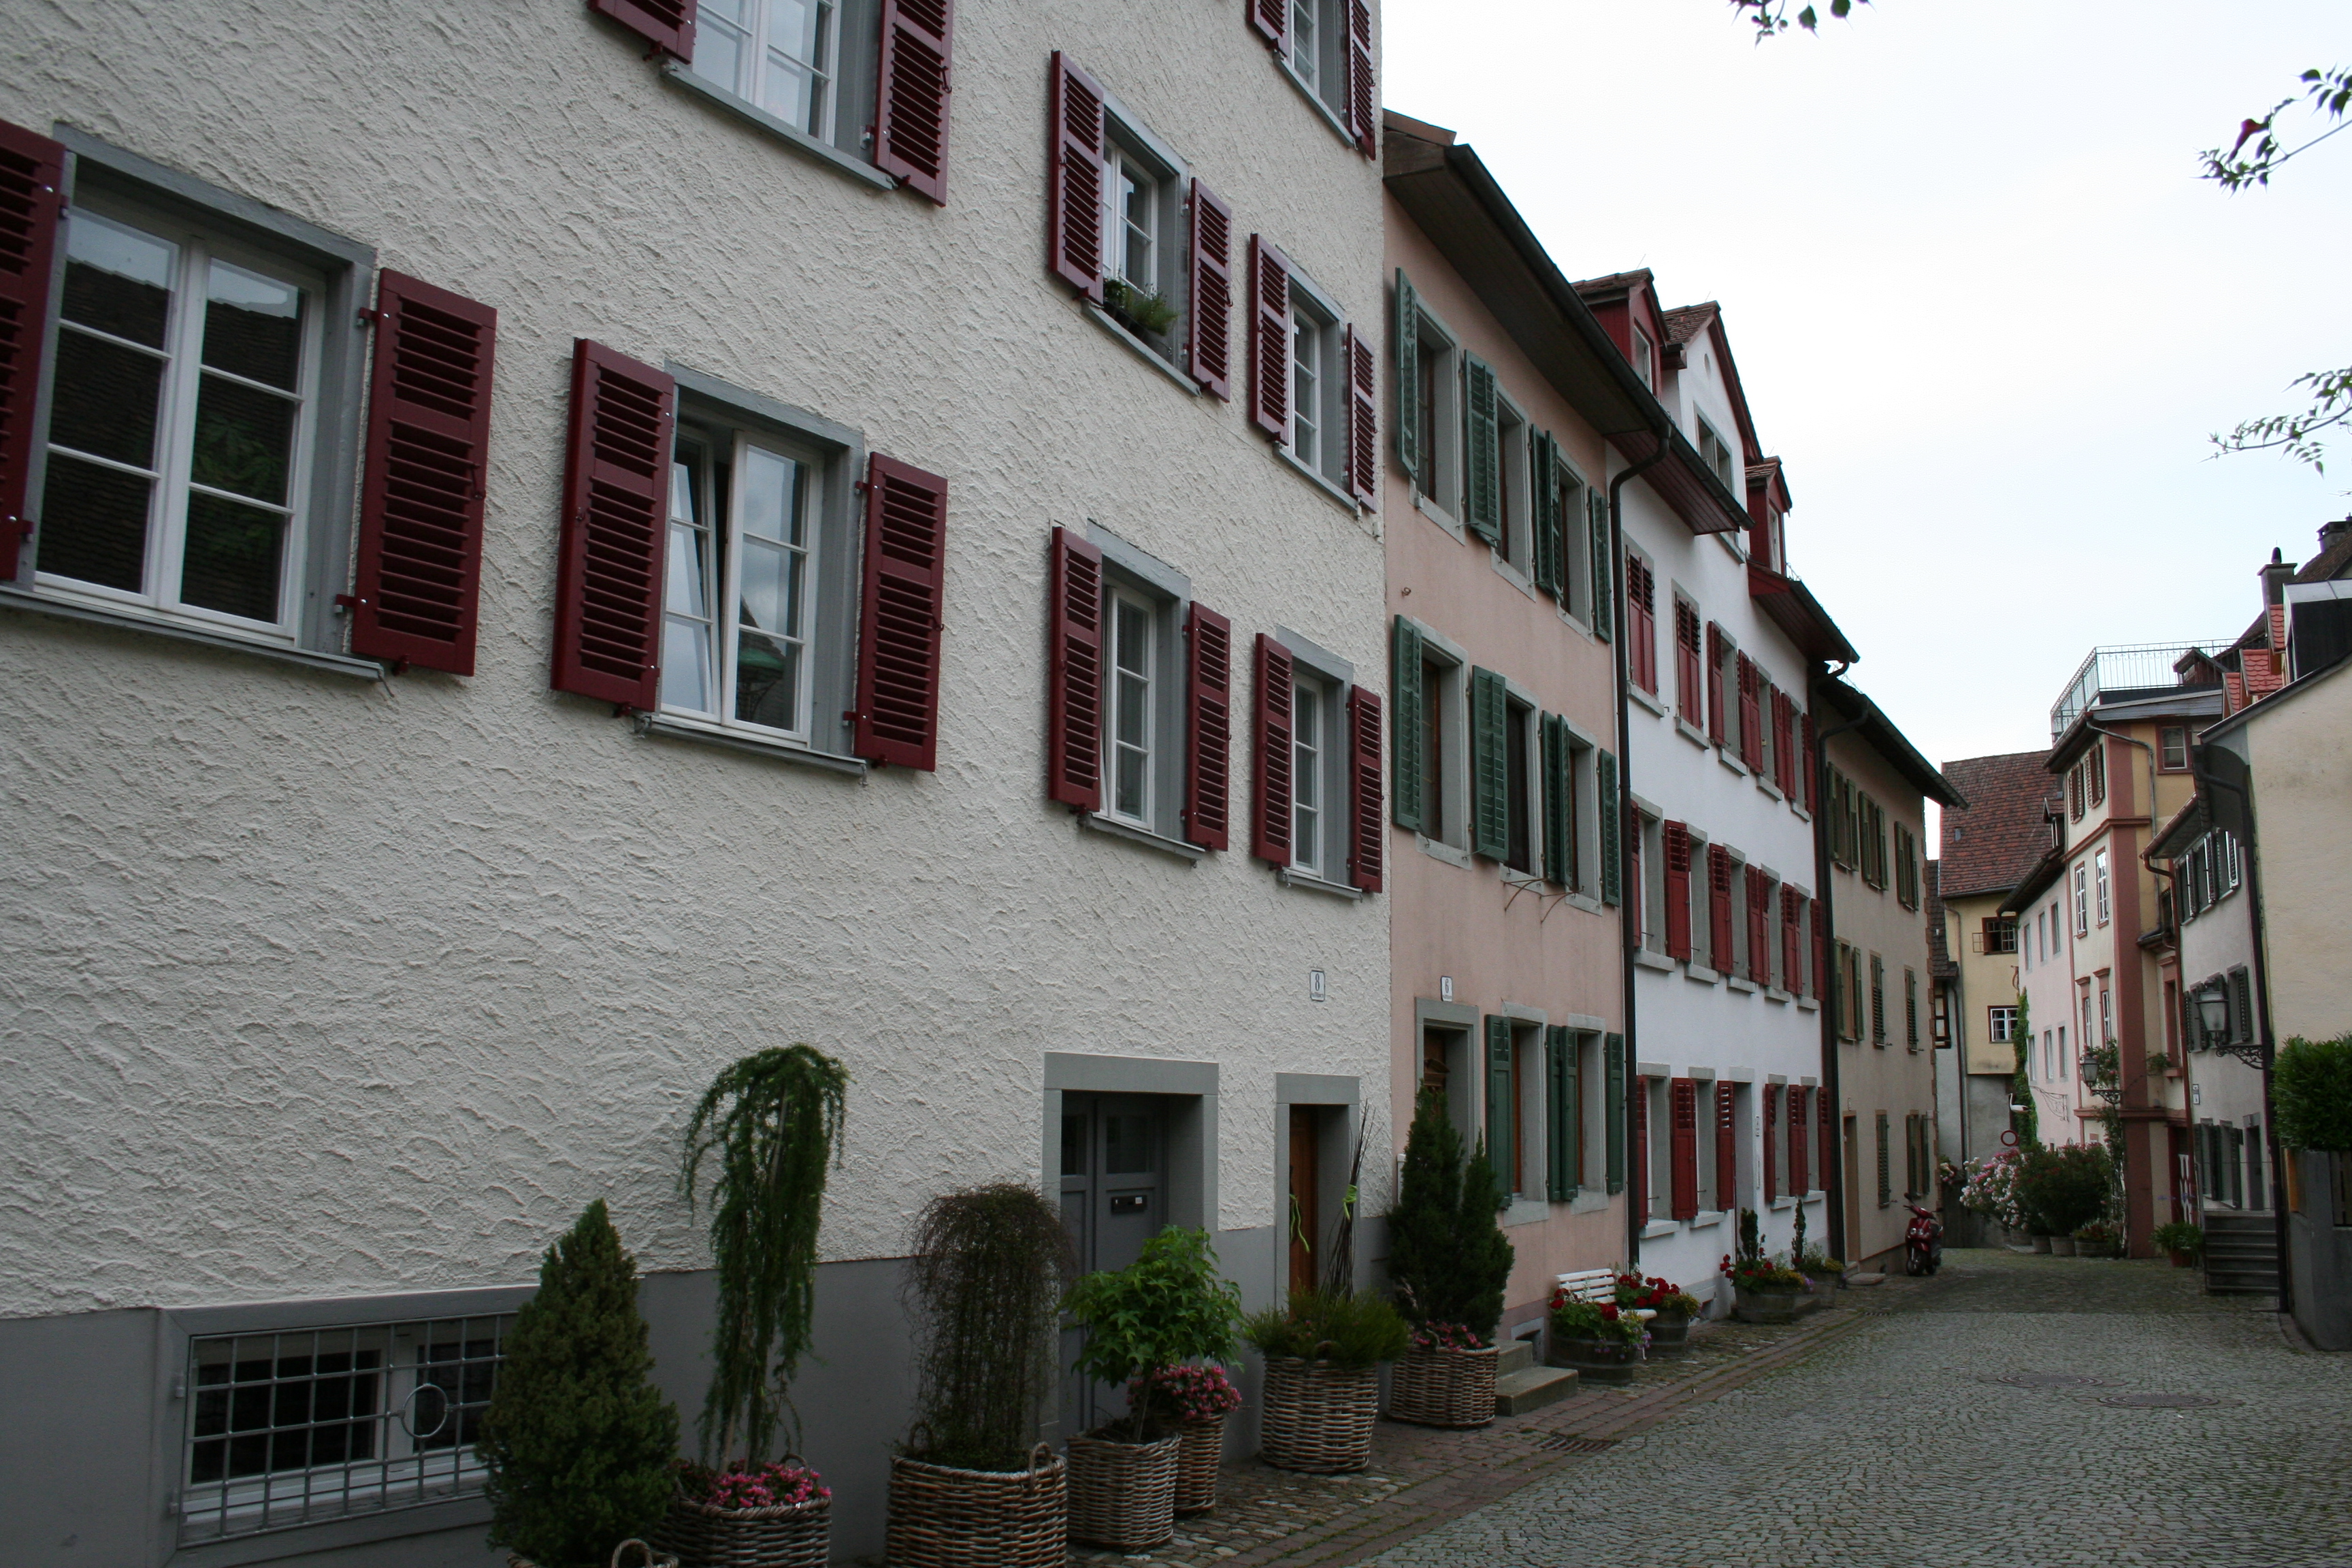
x: 1518, y: 1356
x: 1518, y: 1392
x: 2216, y: 1277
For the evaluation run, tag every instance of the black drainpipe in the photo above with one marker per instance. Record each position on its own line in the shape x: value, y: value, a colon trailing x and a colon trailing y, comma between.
x: 1629, y: 928
x: 1830, y: 1081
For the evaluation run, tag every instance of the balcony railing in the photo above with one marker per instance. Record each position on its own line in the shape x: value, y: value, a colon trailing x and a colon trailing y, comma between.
x: 2140, y: 669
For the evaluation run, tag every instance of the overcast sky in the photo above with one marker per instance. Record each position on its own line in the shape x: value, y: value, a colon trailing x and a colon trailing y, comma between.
x: 1981, y: 303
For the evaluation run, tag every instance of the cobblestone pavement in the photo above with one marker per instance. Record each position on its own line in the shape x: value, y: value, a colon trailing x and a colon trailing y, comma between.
x: 1866, y: 1435
x: 1894, y: 1446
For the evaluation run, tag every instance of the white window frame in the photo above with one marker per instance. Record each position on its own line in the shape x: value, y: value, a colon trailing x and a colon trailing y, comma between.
x: 1513, y: 472
x: 196, y: 246
x: 1130, y: 145
x: 1438, y: 353
x: 2100, y: 881
x: 1645, y: 359
x: 1119, y: 595
x: 1528, y: 779
x: 1315, y: 315
x: 750, y: 71
x: 1578, y: 579
x: 2081, y: 898
x: 1321, y: 852
x: 1714, y: 451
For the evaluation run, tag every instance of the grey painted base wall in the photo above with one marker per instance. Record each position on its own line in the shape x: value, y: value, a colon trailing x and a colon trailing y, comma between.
x: 82, y: 1398
x: 2320, y: 1259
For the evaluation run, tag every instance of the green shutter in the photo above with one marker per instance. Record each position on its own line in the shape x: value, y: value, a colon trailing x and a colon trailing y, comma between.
x: 1406, y: 337
x: 1490, y: 812
x: 1558, y: 800
x: 1604, y: 575
x: 1500, y: 1123
x: 1408, y: 721
x: 1559, y: 1122
x: 1612, y: 828
x: 1564, y: 507
x: 1572, y: 1114
x: 1543, y: 509
x: 1485, y: 499
x: 1613, y: 1048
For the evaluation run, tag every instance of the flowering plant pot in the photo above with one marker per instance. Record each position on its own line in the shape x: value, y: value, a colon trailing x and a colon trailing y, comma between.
x: 1764, y: 1305
x: 1200, y: 1449
x: 2061, y: 1246
x: 1198, y: 1398
x: 775, y: 1516
x: 1123, y: 1493
x: 1670, y: 1334
x: 1445, y: 1379
x: 1598, y: 1361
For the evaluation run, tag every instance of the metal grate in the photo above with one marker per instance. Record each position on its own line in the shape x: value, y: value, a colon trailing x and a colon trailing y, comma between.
x: 1568, y: 1442
x: 2140, y: 669
x: 2167, y: 1400
x: 291, y: 1427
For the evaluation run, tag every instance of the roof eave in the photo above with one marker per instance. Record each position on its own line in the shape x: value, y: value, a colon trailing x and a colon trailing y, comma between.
x: 1793, y: 608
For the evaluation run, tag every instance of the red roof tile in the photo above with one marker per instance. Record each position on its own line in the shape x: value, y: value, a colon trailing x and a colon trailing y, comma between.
x: 1684, y: 322
x: 1996, y: 840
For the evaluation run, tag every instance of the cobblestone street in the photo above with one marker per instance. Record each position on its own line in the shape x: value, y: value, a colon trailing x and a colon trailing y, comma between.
x: 1872, y: 1434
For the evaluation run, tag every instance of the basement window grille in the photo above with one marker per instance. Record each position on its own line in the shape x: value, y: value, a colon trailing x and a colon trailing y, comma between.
x: 296, y: 1426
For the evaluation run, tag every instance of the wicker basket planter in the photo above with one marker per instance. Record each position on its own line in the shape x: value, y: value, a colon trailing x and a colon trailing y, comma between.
x: 1669, y: 1337
x: 644, y: 1557
x: 1597, y: 1361
x: 1122, y: 1495
x: 946, y: 1518
x: 1443, y: 1387
x: 1200, y: 1450
x: 1317, y: 1416
x: 797, y: 1535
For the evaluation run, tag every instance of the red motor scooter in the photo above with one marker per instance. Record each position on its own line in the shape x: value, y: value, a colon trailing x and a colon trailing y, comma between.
x: 1923, y: 1243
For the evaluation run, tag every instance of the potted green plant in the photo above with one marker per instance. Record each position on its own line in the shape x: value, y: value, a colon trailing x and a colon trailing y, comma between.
x: 1323, y: 1352
x: 2097, y: 1240
x: 1448, y: 1264
x: 1664, y: 1308
x: 577, y: 1441
x: 772, y: 1126
x: 1200, y: 1397
x: 972, y: 1485
x: 2062, y: 1190
x: 2179, y: 1240
x: 1763, y: 1291
x: 1144, y: 312
x: 1601, y: 1339
x: 1168, y: 1307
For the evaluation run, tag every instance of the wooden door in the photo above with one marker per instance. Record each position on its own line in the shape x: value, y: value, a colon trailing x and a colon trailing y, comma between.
x: 1306, y: 1193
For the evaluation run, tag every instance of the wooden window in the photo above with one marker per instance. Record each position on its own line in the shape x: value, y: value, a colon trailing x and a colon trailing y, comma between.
x: 1718, y: 656
x: 2172, y: 749
x: 1207, y: 711
x: 1720, y: 955
x: 1414, y: 746
x: 1689, y: 691
x: 1877, y: 1000
x: 1490, y: 807
x: 1483, y: 449
x: 910, y: 111
x: 617, y: 484
x: 782, y: 56
x: 1674, y: 841
x: 1209, y: 352
x: 1074, y: 183
x: 1367, y: 830
x: 1641, y: 623
x: 1502, y: 1102
x: 1273, y: 741
x: 1602, y: 564
x: 1611, y: 811
x: 1771, y: 1140
x: 1612, y: 1109
x: 900, y: 614
x: 1681, y: 1111
x: 1074, y: 698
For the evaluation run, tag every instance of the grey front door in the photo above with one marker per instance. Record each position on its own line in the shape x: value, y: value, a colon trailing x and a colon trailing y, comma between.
x: 1114, y: 1199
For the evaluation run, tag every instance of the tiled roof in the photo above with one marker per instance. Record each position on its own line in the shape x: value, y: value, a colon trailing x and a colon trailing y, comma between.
x: 1613, y: 283
x: 1684, y: 322
x: 1939, y: 963
x: 1988, y: 847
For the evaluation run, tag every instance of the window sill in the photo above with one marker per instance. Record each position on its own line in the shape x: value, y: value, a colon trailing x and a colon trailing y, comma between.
x: 669, y: 727
x: 1647, y: 699
x: 1511, y: 574
x: 1655, y: 1228
x: 1769, y: 787
x: 1693, y: 970
x: 1440, y: 516
x: 1330, y: 116
x: 1312, y: 477
x: 799, y: 140
x: 1438, y: 849
x: 1648, y: 959
x: 1732, y: 547
x: 1784, y: 1203
x: 281, y: 653
x: 1734, y: 763
x: 1526, y: 1211
x: 1144, y: 351
x: 1802, y: 814
x: 1520, y: 881
x: 1706, y: 1218
x: 1093, y: 823
x: 1774, y: 994
x: 1744, y: 987
x: 1807, y: 1004
x: 1696, y: 738
x: 1291, y: 876
x: 1585, y: 901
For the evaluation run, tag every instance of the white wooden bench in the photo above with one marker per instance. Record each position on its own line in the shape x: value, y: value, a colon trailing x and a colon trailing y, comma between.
x: 1598, y: 1286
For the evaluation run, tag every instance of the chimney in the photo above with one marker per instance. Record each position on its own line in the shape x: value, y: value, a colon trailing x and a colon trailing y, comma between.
x: 2329, y: 532
x: 2276, y: 576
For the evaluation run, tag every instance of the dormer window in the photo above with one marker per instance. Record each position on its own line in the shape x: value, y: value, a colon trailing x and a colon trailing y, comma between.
x: 1645, y: 359
x: 1715, y: 452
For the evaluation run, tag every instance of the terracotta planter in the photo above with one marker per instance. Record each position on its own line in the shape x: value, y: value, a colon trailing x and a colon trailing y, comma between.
x: 1766, y: 1306
x: 1669, y: 1337
x: 1445, y: 1387
x: 1122, y: 1495
x: 1318, y: 1418
x: 1597, y: 1361
x: 1200, y: 1449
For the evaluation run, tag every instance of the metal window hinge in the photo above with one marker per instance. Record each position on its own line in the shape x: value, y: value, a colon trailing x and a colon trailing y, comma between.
x: 370, y: 317
x: 345, y: 604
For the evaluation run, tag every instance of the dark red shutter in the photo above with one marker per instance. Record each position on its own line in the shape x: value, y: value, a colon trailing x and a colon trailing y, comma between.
x: 1209, y: 715
x: 1271, y: 839
x: 1272, y: 20
x: 1367, y: 833
x: 32, y: 200
x: 1363, y: 420
x: 1718, y: 909
x: 1715, y: 683
x: 1807, y: 761
x: 899, y: 616
x: 1727, y: 1148
x: 1828, y: 1145
x: 1269, y: 339
x: 667, y: 25
x: 1074, y: 178
x: 1363, y: 102
x: 1682, y: 1095
x: 416, y: 585
x: 1759, y: 927
x: 616, y: 505
x: 1637, y: 1173
x: 910, y: 97
x: 1799, y: 1164
x: 1751, y: 714
x: 1074, y: 674
x: 1793, y: 959
x: 1821, y: 956
x: 1771, y: 1142
x: 1674, y: 838
x: 1212, y: 292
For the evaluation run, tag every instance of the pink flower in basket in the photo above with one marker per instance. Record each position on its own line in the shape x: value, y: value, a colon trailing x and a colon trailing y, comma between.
x: 1188, y: 1393
x: 1434, y: 1336
x: 779, y: 1484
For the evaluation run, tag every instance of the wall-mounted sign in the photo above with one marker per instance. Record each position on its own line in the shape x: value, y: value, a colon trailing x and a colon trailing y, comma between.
x: 1315, y: 992
x: 1445, y: 988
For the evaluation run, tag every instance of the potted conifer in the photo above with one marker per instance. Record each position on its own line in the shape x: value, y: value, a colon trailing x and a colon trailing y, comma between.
x: 577, y: 1441
x: 971, y: 1487
x: 1167, y: 1308
x: 771, y: 1123
x: 1448, y: 1263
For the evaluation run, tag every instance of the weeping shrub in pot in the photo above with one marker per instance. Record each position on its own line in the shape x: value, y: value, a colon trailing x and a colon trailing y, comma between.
x: 772, y: 1124
x: 970, y: 1486
x: 1167, y: 1308
x: 1449, y: 1263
